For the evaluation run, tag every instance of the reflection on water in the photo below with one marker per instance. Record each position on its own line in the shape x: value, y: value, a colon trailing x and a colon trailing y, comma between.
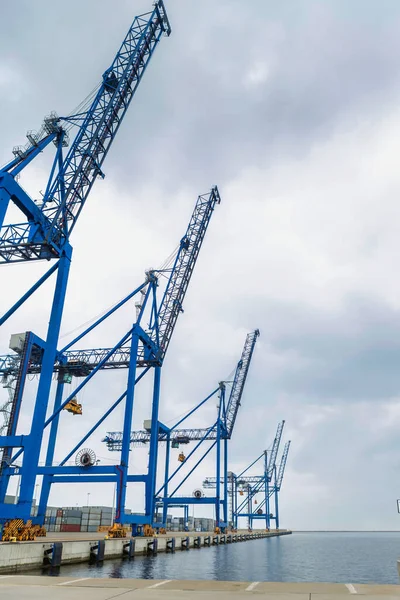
x: 339, y: 557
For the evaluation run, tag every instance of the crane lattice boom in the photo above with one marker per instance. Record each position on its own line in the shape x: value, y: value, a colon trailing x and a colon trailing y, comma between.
x: 51, y: 222
x: 113, y: 439
x: 275, y: 449
x: 239, y: 381
x: 172, y: 301
x: 281, y: 470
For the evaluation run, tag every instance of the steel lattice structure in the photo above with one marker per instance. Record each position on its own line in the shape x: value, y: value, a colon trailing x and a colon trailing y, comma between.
x: 184, y: 436
x: 218, y: 434
x: 268, y: 484
x: 142, y: 353
x: 49, y: 223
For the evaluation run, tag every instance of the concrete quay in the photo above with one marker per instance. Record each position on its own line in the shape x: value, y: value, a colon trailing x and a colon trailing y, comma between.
x: 58, y: 549
x: 25, y: 587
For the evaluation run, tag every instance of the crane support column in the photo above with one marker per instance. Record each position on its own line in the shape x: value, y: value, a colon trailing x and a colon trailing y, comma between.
x: 226, y: 518
x: 153, y: 453
x: 129, y: 400
x: 166, y: 479
x: 33, y: 442
x: 276, y: 494
x: 47, y: 479
x: 266, y: 490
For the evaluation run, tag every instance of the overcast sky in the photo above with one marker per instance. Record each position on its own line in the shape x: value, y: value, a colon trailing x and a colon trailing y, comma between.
x: 292, y: 108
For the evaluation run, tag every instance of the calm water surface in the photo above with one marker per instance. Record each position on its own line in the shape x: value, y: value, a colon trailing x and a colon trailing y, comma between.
x: 335, y: 557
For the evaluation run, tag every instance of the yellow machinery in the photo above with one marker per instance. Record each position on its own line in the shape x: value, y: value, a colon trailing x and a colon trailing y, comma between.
x: 217, y: 530
x: 148, y: 530
x: 181, y: 457
x: 117, y: 531
x: 73, y: 407
x: 17, y: 530
x: 162, y: 531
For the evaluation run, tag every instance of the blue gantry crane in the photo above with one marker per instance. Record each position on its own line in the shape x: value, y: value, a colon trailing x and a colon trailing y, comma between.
x: 218, y: 433
x: 268, y: 484
x: 252, y: 485
x: 45, y: 234
x: 143, y: 347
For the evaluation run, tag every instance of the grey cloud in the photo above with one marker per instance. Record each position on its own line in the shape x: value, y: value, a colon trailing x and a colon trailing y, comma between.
x: 194, y: 118
x: 349, y: 353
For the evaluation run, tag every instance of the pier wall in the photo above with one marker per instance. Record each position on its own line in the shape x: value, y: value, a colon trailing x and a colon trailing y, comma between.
x: 22, y: 556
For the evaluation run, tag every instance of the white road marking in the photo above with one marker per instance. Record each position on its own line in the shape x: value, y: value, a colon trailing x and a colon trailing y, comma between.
x: 73, y: 581
x: 351, y: 588
x: 252, y: 586
x: 159, y: 583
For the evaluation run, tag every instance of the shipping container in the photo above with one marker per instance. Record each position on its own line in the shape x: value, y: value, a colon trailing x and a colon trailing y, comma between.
x: 71, y: 521
x: 93, y: 528
x: 68, y: 527
x: 72, y: 513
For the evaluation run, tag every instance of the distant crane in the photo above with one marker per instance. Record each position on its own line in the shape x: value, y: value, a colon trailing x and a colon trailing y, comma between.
x: 185, y: 436
x: 50, y: 221
x: 219, y: 432
x: 268, y: 484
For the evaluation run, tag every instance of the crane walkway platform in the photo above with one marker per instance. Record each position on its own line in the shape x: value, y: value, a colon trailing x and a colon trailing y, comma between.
x: 23, y: 587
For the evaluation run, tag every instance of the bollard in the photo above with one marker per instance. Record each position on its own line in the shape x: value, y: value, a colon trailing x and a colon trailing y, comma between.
x: 197, y: 542
x: 215, y: 540
x: 207, y: 541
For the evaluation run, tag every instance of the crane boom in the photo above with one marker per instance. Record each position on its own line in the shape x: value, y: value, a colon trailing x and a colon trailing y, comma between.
x: 239, y: 381
x: 84, y: 361
x: 275, y: 449
x: 172, y: 301
x: 50, y: 223
x: 282, y: 465
x: 113, y: 439
x: 211, y: 482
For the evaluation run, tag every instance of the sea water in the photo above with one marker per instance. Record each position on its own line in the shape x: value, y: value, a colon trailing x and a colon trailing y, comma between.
x: 328, y: 557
